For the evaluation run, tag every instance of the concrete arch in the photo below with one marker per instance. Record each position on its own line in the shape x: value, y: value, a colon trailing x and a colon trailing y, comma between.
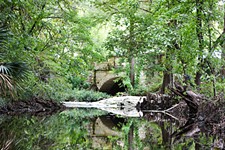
x: 107, y: 125
x: 111, y: 87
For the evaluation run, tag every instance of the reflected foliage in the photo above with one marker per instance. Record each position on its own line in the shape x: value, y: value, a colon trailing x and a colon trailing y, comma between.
x: 71, y: 130
x: 62, y: 131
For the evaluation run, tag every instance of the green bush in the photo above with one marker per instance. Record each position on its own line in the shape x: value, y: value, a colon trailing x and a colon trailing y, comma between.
x: 78, y: 83
x: 86, y: 96
x: 57, y: 89
x: 142, y: 90
x: 139, y: 91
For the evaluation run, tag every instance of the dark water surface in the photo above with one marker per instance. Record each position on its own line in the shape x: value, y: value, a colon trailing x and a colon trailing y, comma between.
x: 85, y: 129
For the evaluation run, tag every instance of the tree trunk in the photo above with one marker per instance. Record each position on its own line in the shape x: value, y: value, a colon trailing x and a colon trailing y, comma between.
x: 223, y: 67
x: 131, y: 52
x: 212, y: 69
x: 223, y: 49
x: 131, y: 137
x: 198, y: 78
x: 166, y: 81
x: 166, y: 140
x: 132, y: 71
x: 199, y: 8
x: 167, y: 75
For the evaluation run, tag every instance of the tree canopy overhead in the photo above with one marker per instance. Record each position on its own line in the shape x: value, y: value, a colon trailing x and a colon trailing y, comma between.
x: 63, y: 39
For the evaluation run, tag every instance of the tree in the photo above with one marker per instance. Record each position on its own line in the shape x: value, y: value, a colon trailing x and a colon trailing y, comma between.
x: 223, y: 48
x: 127, y: 38
x: 199, y: 32
x: 52, y: 37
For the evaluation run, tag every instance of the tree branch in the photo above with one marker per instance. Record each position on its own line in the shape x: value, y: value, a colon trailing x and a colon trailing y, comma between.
x: 36, y: 21
x: 219, y: 40
x: 145, y: 10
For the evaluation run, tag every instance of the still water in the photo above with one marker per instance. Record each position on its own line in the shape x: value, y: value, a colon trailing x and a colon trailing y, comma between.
x: 87, y: 129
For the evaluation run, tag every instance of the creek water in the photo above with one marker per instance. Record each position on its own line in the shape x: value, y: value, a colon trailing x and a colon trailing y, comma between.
x: 84, y: 129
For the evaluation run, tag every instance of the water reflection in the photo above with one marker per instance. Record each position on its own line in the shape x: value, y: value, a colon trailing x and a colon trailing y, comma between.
x: 67, y: 130
x: 95, y: 129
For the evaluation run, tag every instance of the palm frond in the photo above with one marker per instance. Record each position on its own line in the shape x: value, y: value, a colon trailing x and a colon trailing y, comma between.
x: 17, y: 70
x: 5, y: 81
x: 4, y: 70
x: 10, y: 75
x: 6, y: 84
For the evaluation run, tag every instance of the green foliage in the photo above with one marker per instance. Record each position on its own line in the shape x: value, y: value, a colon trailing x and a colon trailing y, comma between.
x: 189, y: 144
x: 61, y: 41
x: 207, y: 86
x: 64, y: 39
x: 220, y: 87
x: 59, y: 89
x: 51, y: 37
x: 204, y: 141
x: 10, y: 73
x: 68, y: 130
x: 87, y: 96
x: 140, y: 91
x: 78, y: 83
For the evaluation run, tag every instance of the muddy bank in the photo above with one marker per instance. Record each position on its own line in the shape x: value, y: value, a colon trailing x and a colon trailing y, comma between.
x: 35, y: 106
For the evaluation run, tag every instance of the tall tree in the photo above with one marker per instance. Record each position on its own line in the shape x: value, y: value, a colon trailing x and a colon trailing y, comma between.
x: 223, y: 48
x: 126, y: 39
x: 199, y: 32
x: 50, y: 34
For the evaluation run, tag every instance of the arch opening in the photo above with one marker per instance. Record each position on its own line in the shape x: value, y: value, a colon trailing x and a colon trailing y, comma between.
x: 112, y: 87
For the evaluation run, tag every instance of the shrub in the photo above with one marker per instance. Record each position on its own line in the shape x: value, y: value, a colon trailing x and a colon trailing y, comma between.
x: 78, y: 83
x: 58, y: 89
x: 86, y: 96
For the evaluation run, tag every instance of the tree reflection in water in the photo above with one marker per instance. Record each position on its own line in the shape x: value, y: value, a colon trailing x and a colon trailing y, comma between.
x: 79, y: 129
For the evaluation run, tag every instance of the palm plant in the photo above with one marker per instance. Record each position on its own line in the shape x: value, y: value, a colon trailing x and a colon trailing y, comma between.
x: 10, y: 73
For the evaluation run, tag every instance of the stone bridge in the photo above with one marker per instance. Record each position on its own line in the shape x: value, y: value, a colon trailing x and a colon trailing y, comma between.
x: 106, y: 79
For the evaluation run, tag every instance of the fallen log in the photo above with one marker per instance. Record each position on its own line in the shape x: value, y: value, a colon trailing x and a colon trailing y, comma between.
x: 124, y: 106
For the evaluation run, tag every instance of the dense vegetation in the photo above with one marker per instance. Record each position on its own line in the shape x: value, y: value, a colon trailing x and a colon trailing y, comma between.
x: 49, y: 49
x: 60, y: 42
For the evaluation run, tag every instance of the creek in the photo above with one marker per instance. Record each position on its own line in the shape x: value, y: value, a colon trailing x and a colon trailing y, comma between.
x: 90, y: 128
